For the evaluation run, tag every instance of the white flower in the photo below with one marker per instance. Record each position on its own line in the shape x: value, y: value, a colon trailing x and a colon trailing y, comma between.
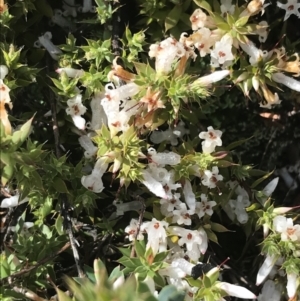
x: 210, y: 178
x: 3, y: 71
x: 199, y: 19
x: 227, y: 7
x: 166, y: 53
x: 286, y: 80
x: 163, y: 159
x: 131, y: 230
x: 202, y: 40
x: 205, y: 206
x: 266, y: 268
x: 235, y: 290
x: 262, y: 31
x: 45, y: 41
x: 189, y: 195
x: 168, y: 205
x: 270, y: 291
x: 90, y: 149
x: 286, y: 227
x: 157, y: 236
x: 94, y: 180
x: 69, y: 8
x: 182, y: 215
x: 291, y: 8
x: 216, y: 76
x: 71, y: 72
x: 99, y: 117
x: 212, y: 139
x: 222, y: 54
x: 12, y: 201
x: 87, y: 7
x: 291, y: 286
x: 76, y: 109
x: 195, y: 241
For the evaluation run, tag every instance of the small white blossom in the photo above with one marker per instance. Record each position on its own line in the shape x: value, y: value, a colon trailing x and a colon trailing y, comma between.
x: 291, y: 8
x: 45, y: 41
x: 212, y: 139
x: 131, y: 230
x: 157, y: 236
x: 286, y: 80
x: 205, y: 206
x: 210, y: 178
x: 75, y: 110
x: 222, y: 52
x: 262, y: 31
x: 168, y: 205
x: 235, y: 290
x: 182, y: 215
x: 3, y: 71
x: 189, y: 195
x: 216, y: 76
x: 227, y: 7
x: 286, y: 227
x: 61, y: 21
x: 12, y: 201
x: 71, y: 72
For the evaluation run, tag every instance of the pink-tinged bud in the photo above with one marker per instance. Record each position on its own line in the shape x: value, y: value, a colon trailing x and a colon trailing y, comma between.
x: 235, y: 290
x: 220, y: 155
x: 282, y: 210
x: 265, y: 269
x: 291, y: 286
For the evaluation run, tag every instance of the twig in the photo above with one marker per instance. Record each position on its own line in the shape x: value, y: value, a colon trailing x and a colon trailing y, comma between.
x: 116, y: 19
x: 43, y: 261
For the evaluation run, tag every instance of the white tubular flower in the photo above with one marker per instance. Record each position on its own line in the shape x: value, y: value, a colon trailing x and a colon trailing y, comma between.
x: 87, y: 7
x: 131, y: 230
x: 169, y: 158
x: 45, y: 41
x: 286, y: 227
x: 61, y: 21
x: 270, y: 187
x: 227, y: 7
x: 153, y: 185
x: 205, y: 206
x: 129, y: 206
x: 252, y: 51
x: 291, y: 8
x: 71, y: 72
x: 266, y: 268
x: 291, y: 285
x: 75, y: 109
x: 157, y: 236
x: 199, y: 19
x: 94, y: 180
x: 212, y: 139
x: 210, y: 178
x: 168, y: 206
x: 189, y: 195
x: 3, y: 71
x: 69, y: 8
x: 262, y: 31
x: 222, y: 52
x: 118, y: 282
x: 214, y: 77
x: 12, y: 201
x: 287, y: 81
x: 90, y: 149
x: 183, y: 264
x: 182, y: 215
x: 235, y: 290
x: 270, y: 291
x: 98, y: 115
x: 166, y: 53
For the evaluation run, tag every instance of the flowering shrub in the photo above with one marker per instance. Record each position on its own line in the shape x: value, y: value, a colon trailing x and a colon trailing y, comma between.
x: 115, y: 151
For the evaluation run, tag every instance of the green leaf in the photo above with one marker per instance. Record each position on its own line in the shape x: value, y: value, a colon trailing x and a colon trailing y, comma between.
x: 7, y: 173
x: 139, y: 249
x: 19, y: 136
x: 44, y: 8
x: 242, y: 21
x: 237, y: 143
x: 173, y: 17
x: 59, y: 225
x: 60, y: 185
x: 170, y: 293
x: 218, y: 227
x: 258, y: 181
x: 203, y: 4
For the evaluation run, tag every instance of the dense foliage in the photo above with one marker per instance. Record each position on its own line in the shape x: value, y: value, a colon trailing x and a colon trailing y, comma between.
x: 149, y: 150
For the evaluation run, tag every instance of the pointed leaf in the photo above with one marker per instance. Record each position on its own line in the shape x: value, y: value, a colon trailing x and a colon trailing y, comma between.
x: 19, y: 136
x: 60, y: 185
x: 173, y: 17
